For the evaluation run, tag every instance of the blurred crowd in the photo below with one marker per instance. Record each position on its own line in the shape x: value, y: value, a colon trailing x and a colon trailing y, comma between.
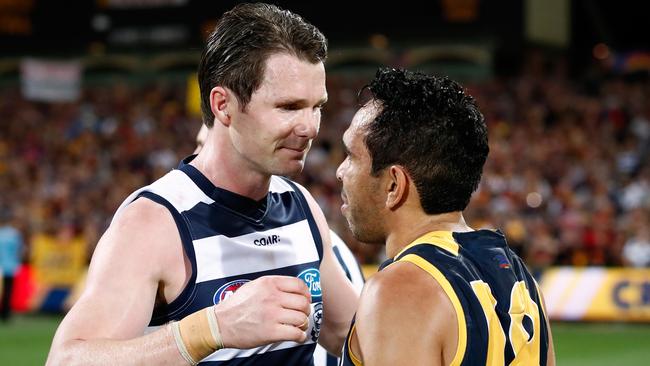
x: 567, y: 179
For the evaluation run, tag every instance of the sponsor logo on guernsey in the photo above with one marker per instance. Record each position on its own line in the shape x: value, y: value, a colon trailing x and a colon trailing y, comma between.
x: 502, y: 261
x: 317, y: 320
x: 267, y: 240
x: 311, y: 277
x: 227, y: 290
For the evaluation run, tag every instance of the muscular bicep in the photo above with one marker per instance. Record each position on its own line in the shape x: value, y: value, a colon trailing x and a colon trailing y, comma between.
x: 123, y: 278
x: 404, y: 318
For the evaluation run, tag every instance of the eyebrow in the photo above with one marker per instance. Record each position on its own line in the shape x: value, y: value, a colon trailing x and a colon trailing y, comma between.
x: 346, y: 150
x: 300, y: 102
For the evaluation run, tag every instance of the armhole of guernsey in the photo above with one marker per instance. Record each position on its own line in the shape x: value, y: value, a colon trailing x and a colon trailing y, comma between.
x: 304, y: 205
x: 184, y: 298
x: 543, y: 344
x: 451, y: 294
x: 355, y: 360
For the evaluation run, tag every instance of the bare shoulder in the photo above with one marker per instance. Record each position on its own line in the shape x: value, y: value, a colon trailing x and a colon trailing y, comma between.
x: 404, y: 313
x: 144, y: 215
x: 402, y: 286
x: 146, y: 220
x: 144, y: 232
x: 132, y: 259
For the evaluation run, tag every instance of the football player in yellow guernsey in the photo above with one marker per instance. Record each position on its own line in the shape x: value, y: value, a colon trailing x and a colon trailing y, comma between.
x: 449, y: 295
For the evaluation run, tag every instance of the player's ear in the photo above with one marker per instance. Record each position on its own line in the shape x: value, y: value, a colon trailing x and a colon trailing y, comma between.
x: 220, y: 100
x: 397, y: 185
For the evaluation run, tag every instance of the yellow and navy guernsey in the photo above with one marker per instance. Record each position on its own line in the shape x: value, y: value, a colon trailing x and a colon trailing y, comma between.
x: 498, y: 306
x: 230, y: 240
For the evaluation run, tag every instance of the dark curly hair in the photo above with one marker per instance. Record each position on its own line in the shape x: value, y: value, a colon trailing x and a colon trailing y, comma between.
x: 236, y: 51
x: 434, y: 130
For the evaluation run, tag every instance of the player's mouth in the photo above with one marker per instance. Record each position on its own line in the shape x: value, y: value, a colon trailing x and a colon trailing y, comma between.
x: 296, y: 149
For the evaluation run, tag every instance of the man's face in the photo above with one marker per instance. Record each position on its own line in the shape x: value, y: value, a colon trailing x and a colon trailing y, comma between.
x: 274, y: 132
x: 361, y: 192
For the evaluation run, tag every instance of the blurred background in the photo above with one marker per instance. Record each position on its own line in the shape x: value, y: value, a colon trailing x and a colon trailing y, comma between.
x: 98, y: 98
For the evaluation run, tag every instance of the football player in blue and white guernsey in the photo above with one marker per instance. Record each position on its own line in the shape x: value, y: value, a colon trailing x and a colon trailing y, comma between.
x: 344, y: 256
x: 223, y: 261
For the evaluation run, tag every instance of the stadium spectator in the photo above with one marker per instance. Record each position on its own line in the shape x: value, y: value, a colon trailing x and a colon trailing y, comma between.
x: 11, y: 254
x: 636, y: 250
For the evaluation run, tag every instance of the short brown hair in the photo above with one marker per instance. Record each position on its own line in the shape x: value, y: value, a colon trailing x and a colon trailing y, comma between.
x: 236, y: 51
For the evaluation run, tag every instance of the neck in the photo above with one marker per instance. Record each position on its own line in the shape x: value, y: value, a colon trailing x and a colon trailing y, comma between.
x: 225, y: 168
x: 407, y: 229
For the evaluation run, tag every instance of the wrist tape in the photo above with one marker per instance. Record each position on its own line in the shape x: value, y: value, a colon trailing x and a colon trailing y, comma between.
x: 197, y: 335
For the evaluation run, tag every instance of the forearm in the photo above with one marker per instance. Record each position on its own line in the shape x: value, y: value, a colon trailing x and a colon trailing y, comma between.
x: 156, y: 348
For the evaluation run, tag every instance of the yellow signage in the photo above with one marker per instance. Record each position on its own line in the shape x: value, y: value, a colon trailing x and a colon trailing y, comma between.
x: 598, y: 294
x: 58, y: 262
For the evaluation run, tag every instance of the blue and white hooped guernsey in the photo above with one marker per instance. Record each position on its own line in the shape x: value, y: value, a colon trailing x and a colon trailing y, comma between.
x: 230, y: 240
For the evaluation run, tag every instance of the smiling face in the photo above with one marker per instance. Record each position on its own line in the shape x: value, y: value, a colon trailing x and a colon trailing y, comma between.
x: 363, y: 199
x: 274, y: 132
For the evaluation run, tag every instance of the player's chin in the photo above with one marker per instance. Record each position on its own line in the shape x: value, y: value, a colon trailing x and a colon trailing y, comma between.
x: 289, y: 167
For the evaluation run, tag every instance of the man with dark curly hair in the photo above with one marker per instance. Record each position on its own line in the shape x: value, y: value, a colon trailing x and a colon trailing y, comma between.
x: 450, y: 295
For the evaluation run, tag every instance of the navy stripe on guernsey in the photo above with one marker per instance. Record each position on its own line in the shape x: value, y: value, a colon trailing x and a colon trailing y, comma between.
x: 462, y: 258
x: 229, y: 240
x: 337, y: 253
x: 293, y: 356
